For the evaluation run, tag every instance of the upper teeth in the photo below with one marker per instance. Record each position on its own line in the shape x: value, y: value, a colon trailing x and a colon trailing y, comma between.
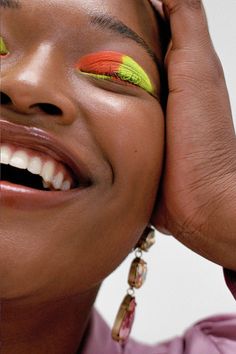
x: 52, y: 172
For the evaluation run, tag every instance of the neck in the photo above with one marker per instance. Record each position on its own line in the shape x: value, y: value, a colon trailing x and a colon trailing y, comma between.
x: 53, y: 327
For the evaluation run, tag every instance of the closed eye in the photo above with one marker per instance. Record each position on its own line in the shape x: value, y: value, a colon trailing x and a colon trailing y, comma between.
x: 116, y: 67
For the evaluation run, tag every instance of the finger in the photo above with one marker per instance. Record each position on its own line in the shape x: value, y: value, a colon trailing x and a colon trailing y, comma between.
x: 188, y: 22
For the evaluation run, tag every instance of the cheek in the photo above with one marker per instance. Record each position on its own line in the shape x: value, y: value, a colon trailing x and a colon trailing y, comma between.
x: 73, y: 249
x: 131, y: 135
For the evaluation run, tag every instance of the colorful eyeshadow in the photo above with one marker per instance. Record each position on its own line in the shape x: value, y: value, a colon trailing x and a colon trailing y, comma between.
x: 115, y: 66
x: 3, y: 49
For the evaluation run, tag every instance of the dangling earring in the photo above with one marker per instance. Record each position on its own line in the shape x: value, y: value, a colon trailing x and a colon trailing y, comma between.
x: 137, y: 275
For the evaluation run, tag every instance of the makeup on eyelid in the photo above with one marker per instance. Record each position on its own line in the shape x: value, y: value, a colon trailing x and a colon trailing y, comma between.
x: 115, y: 66
x: 3, y: 49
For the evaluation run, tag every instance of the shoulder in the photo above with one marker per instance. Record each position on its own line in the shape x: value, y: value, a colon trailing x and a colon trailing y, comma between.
x: 213, y: 335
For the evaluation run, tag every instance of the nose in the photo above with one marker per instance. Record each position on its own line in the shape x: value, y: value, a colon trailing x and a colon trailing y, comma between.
x: 35, y: 85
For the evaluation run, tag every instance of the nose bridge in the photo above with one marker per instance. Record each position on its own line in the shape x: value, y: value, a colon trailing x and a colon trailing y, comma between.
x: 36, y: 80
x: 30, y: 72
x: 33, y: 68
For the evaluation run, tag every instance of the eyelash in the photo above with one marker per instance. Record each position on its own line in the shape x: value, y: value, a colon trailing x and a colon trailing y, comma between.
x: 116, y: 67
x: 127, y: 76
x: 116, y: 77
x: 132, y: 78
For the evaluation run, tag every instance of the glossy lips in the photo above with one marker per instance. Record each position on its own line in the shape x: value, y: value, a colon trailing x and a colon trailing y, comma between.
x: 114, y: 66
x: 28, y: 143
x: 19, y: 196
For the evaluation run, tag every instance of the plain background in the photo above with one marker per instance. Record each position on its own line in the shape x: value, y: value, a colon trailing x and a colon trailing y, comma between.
x: 181, y: 287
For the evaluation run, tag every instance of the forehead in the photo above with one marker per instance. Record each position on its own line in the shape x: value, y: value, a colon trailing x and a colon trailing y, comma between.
x: 137, y: 14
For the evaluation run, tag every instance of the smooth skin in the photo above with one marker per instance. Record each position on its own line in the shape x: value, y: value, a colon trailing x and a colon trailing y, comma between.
x: 198, y: 196
x: 52, y: 315
x: 52, y: 261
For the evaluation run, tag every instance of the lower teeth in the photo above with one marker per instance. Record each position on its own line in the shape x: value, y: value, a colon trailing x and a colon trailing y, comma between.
x: 64, y: 187
x: 46, y: 185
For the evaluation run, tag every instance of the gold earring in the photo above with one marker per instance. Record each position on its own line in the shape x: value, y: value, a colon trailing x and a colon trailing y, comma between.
x: 137, y: 275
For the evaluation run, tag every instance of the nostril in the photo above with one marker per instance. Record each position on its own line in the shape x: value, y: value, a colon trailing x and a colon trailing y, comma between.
x: 5, y: 99
x: 48, y: 108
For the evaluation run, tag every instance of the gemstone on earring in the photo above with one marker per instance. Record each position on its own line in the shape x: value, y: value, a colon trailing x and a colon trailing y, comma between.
x: 147, y: 240
x: 124, y: 319
x: 138, y: 273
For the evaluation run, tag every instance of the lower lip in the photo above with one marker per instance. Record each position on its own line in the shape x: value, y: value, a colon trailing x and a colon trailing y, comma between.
x: 21, y: 197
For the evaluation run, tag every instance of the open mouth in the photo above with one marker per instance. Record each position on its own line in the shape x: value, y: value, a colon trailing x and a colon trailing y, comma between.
x: 34, y: 169
x: 37, y: 160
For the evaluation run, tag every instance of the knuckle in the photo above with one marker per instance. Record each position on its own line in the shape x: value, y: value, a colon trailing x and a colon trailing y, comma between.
x: 197, y: 68
x: 214, y: 71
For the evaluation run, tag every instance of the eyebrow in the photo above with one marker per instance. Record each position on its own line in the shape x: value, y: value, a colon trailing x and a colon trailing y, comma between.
x: 10, y: 4
x: 118, y: 27
x: 106, y: 22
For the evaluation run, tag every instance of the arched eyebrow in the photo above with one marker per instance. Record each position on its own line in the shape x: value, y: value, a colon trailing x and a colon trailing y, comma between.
x: 10, y: 4
x: 105, y: 21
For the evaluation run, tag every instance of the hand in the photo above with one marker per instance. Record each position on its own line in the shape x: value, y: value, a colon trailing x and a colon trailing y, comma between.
x: 197, y: 201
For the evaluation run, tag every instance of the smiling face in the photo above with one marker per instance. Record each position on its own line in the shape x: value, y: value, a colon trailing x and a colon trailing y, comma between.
x: 104, y: 115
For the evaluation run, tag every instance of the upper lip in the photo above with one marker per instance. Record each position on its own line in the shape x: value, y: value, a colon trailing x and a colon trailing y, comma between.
x: 37, y: 139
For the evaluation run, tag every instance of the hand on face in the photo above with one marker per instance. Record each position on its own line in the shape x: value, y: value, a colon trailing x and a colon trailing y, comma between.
x: 197, y: 198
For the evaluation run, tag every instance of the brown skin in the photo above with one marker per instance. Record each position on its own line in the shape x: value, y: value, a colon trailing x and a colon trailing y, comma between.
x: 81, y: 260
x: 50, y: 272
x: 197, y: 201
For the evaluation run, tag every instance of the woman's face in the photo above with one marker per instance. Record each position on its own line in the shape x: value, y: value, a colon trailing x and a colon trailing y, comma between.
x: 113, y: 127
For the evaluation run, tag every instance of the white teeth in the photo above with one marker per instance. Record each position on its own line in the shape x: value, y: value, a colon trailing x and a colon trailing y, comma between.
x: 35, y: 165
x: 65, y: 186
x: 57, y: 180
x: 47, y: 170
x: 5, y: 154
x: 19, y: 159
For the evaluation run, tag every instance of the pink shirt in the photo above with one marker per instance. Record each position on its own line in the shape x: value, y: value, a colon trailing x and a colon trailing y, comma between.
x: 214, y: 335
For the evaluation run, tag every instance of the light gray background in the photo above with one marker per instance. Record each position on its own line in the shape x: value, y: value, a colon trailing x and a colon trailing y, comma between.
x: 181, y: 287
